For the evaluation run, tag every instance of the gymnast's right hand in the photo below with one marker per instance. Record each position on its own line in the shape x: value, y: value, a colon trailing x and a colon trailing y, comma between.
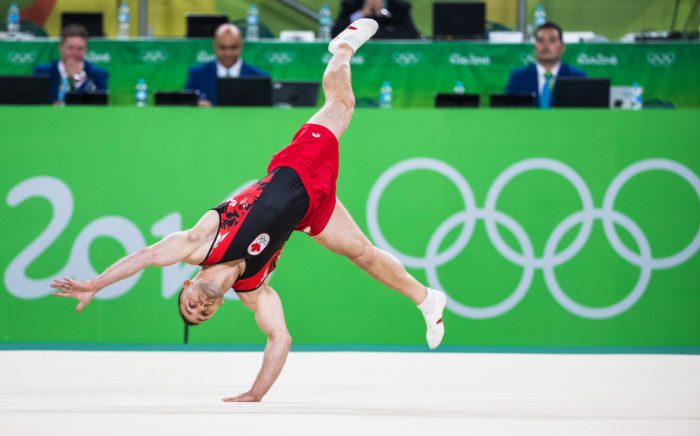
x: 80, y: 290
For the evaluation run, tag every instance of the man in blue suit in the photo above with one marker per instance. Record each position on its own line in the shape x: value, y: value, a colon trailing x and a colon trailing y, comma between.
x: 538, y: 79
x: 83, y: 77
x: 228, y: 46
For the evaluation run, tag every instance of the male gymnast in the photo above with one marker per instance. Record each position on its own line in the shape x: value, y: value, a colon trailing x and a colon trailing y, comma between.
x: 239, y: 242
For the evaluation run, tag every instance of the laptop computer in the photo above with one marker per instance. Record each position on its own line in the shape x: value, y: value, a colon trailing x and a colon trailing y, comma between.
x: 457, y: 100
x: 244, y: 91
x: 176, y: 98
x: 204, y: 25
x: 294, y: 94
x: 92, y: 21
x: 25, y: 90
x: 512, y: 100
x: 459, y: 21
x: 99, y: 98
x: 581, y: 92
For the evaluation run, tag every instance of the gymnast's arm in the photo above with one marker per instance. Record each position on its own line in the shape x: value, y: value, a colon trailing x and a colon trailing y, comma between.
x: 173, y: 248
x: 266, y: 305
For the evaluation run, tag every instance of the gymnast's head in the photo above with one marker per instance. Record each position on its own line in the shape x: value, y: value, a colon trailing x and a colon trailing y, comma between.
x: 198, y: 301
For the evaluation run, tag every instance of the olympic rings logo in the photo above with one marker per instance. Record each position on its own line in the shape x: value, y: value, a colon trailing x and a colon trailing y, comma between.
x: 407, y: 58
x: 154, y: 56
x: 21, y: 57
x: 526, y: 257
x: 280, y: 57
x: 661, y: 59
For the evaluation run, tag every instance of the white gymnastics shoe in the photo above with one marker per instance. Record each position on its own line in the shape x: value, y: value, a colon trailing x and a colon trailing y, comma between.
x: 355, y: 34
x: 432, y: 308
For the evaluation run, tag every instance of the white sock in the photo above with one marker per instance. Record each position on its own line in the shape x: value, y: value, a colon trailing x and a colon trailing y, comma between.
x: 427, y: 306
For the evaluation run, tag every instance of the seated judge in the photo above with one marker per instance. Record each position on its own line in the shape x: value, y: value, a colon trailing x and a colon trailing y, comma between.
x: 393, y: 17
x: 538, y: 79
x: 83, y: 77
x: 228, y: 46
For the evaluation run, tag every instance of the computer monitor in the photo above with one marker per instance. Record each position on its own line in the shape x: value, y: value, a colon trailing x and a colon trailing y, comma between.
x: 92, y: 21
x: 581, y: 92
x: 245, y: 91
x: 457, y: 100
x: 25, y: 90
x: 459, y: 21
x: 294, y: 94
x: 204, y: 25
x: 98, y: 98
x: 176, y: 98
x: 512, y: 100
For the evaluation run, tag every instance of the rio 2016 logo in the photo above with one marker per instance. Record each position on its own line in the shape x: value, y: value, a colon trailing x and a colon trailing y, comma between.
x: 118, y: 228
x: 526, y: 258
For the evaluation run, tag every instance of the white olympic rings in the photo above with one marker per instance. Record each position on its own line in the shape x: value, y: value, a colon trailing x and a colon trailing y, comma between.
x: 526, y: 258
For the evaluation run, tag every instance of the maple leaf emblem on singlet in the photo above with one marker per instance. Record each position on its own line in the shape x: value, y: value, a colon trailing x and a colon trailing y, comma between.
x: 259, y: 244
x: 238, y: 206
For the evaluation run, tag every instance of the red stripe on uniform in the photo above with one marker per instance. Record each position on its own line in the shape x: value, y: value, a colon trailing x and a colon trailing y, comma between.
x: 352, y: 27
x: 439, y: 321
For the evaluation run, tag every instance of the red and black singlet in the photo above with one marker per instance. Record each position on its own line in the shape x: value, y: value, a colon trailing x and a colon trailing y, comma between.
x: 255, y: 224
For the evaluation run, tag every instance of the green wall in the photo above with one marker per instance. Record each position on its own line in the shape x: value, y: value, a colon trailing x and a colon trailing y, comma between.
x: 82, y: 186
x: 417, y: 71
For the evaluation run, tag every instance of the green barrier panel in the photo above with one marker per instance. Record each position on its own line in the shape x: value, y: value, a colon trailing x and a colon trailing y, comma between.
x: 417, y: 71
x: 546, y: 229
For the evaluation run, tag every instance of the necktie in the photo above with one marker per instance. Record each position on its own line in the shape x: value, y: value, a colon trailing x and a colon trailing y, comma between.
x: 546, y: 96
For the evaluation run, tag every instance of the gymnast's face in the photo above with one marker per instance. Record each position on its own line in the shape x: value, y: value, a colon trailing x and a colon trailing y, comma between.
x: 198, y: 301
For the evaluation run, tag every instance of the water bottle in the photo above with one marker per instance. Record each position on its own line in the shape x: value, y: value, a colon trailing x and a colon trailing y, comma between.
x: 141, y: 93
x: 63, y: 89
x: 385, y: 95
x: 324, y: 23
x: 540, y: 16
x: 636, y: 97
x: 459, y: 88
x: 13, y: 21
x: 252, y: 23
x: 123, y: 20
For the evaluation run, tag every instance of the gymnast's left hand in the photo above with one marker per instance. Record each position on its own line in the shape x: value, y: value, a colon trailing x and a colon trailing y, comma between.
x: 80, y: 290
x: 245, y: 397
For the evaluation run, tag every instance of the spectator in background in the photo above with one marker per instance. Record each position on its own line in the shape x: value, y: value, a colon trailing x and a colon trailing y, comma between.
x: 538, y: 79
x: 83, y: 77
x: 228, y: 46
x: 393, y: 16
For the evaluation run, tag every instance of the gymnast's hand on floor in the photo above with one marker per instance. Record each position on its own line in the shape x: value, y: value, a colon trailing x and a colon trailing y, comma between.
x: 81, y: 291
x: 245, y: 397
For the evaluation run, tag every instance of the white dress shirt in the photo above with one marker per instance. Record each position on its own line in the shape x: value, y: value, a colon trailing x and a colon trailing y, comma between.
x: 233, y: 71
x: 77, y: 79
x: 540, y: 75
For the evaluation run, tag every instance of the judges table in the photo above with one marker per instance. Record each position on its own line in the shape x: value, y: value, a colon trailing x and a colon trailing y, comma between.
x: 416, y: 70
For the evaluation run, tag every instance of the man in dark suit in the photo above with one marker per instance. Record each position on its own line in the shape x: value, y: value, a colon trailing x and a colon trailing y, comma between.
x: 228, y: 46
x: 538, y: 79
x: 83, y: 77
x: 393, y: 16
